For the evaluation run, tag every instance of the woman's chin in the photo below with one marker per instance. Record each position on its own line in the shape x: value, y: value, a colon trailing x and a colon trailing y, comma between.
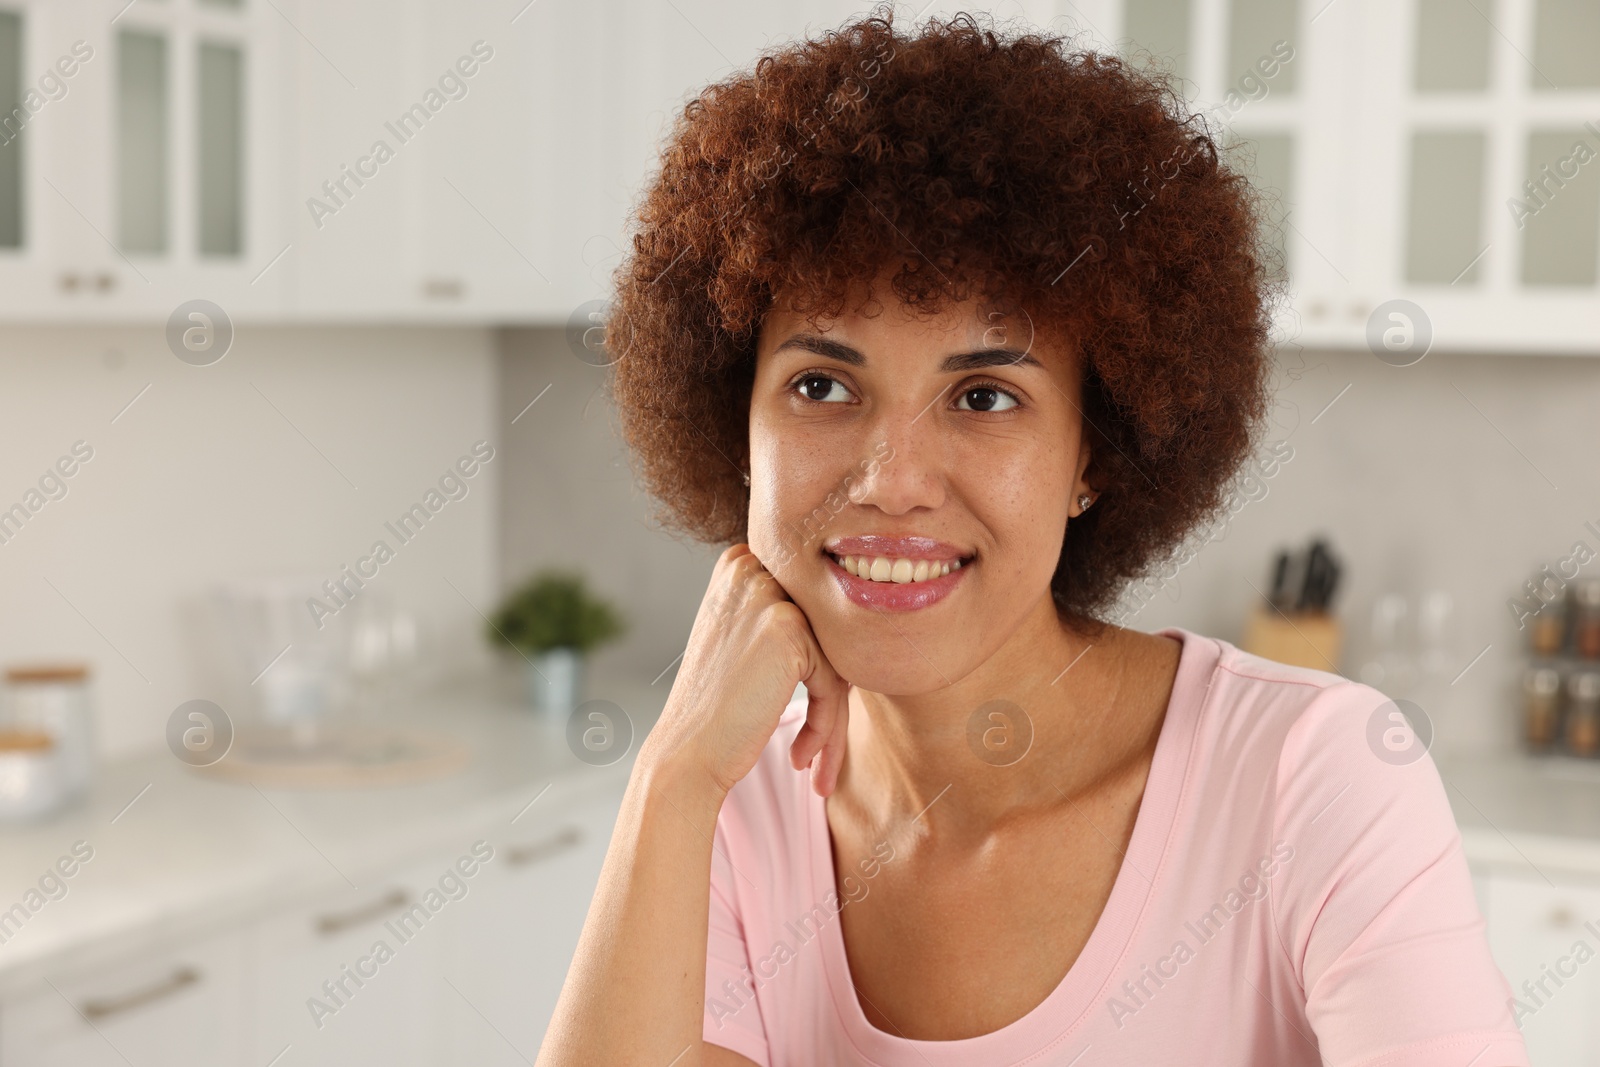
x: 883, y: 665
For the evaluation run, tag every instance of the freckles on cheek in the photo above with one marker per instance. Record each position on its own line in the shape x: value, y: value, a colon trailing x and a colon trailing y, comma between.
x: 769, y: 538
x: 1024, y: 505
x: 783, y: 509
x: 799, y: 477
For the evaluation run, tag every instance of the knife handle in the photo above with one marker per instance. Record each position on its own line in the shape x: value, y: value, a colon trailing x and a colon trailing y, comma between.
x: 1280, y: 572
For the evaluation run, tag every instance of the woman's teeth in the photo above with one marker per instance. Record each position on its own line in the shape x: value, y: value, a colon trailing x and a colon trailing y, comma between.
x: 889, y: 569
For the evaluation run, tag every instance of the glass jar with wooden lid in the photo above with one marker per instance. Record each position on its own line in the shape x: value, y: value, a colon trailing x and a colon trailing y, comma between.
x: 53, y: 699
x: 31, y: 781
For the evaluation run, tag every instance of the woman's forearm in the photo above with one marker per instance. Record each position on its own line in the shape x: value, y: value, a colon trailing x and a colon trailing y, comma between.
x: 635, y: 993
x: 636, y: 988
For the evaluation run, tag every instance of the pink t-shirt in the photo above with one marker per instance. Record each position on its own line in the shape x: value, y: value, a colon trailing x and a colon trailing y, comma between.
x: 1288, y: 898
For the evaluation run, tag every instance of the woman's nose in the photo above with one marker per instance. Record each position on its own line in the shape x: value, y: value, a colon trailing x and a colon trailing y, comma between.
x: 907, y: 470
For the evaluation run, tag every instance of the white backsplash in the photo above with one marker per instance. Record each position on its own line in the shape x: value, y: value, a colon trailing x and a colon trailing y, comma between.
x: 287, y: 456
x: 1460, y: 473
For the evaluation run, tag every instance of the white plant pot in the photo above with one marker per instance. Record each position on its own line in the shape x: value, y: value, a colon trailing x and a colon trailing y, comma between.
x: 555, y: 681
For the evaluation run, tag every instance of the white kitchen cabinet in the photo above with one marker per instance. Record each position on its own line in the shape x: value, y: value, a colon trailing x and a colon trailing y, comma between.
x: 1343, y: 114
x: 1546, y: 940
x: 511, y: 948
x: 1412, y: 129
x: 475, y: 982
x: 356, y: 176
x: 174, y: 1007
x: 205, y: 219
x: 1393, y: 147
x: 460, y: 181
x: 590, y: 58
x: 1460, y: 115
x: 504, y: 166
x: 146, y: 177
x: 185, y: 156
x: 1275, y: 89
x: 386, y: 1005
x: 48, y: 103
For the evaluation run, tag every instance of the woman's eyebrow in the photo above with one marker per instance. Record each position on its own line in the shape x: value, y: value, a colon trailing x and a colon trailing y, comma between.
x: 963, y: 361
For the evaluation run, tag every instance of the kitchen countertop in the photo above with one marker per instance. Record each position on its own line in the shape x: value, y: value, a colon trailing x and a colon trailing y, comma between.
x: 1529, y: 814
x: 178, y: 853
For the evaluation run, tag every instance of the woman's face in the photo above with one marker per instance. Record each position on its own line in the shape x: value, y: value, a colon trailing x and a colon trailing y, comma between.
x: 893, y: 446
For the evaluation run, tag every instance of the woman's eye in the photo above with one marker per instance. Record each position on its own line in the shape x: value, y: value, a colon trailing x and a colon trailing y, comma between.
x: 985, y: 398
x: 821, y: 388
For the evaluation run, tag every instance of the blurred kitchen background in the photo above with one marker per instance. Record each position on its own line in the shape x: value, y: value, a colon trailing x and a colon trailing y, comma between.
x: 274, y: 274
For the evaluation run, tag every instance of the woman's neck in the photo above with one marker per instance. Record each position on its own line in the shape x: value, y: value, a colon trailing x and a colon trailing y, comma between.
x: 1047, y: 718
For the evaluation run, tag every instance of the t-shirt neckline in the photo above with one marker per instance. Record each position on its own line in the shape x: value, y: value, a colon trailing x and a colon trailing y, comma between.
x: 1050, y: 1025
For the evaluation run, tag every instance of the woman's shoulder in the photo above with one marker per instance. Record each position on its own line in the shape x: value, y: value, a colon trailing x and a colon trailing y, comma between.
x: 1303, y: 708
x: 1345, y: 769
x: 1324, y: 716
x: 1308, y: 736
x: 1375, y: 889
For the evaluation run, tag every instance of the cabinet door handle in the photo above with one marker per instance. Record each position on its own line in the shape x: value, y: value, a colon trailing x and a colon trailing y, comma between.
x: 181, y: 978
x: 69, y: 282
x: 330, y: 924
x: 534, y: 852
x: 105, y: 282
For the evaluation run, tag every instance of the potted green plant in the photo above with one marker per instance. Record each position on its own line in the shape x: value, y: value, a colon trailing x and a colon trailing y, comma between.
x: 554, y: 621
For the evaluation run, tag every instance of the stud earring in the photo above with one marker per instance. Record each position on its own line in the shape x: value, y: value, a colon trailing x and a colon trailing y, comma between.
x: 1084, y: 500
x: 747, y: 478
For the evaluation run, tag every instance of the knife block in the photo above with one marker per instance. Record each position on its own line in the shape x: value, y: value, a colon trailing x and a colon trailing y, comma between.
x: 1298, y: 638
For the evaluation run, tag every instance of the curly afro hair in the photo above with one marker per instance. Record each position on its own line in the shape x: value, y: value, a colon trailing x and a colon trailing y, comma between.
x: 1065, y: 183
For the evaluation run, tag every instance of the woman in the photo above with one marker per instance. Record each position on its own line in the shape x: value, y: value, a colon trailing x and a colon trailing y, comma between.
x: 951, y: 336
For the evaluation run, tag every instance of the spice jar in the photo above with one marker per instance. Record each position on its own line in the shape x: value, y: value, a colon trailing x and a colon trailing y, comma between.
x: 1541, y: 707
x: 1547, y: 634
x: 1583, y: 712
x: 1586, y: 620
x: 53, y: 699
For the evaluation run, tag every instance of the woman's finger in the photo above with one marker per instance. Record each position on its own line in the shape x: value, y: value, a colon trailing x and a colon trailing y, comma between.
x: 825, y: 773
x: 814, y: 732
x: 822, y: 707
x: 827, y: 716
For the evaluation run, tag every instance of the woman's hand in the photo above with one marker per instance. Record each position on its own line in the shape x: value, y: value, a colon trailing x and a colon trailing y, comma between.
x: 749, y: 647
x: 642, y: 954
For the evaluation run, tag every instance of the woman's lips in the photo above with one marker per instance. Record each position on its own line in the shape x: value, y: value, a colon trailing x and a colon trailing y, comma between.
x: 896, y: 596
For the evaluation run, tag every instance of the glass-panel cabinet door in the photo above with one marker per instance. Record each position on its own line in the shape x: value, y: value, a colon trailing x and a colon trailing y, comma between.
x: 49, y: 72
x: 140, y: 157
x: 195, y: 168
x: 1267, y: 81
x: 1489, y: 222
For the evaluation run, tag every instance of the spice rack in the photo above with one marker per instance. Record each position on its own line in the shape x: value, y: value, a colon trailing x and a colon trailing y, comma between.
x: 1561, y: 685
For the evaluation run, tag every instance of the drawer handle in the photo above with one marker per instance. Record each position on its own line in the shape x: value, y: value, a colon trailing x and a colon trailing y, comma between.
x: 522, y: 855
x: 181, y: 978
x: 327, y: 925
